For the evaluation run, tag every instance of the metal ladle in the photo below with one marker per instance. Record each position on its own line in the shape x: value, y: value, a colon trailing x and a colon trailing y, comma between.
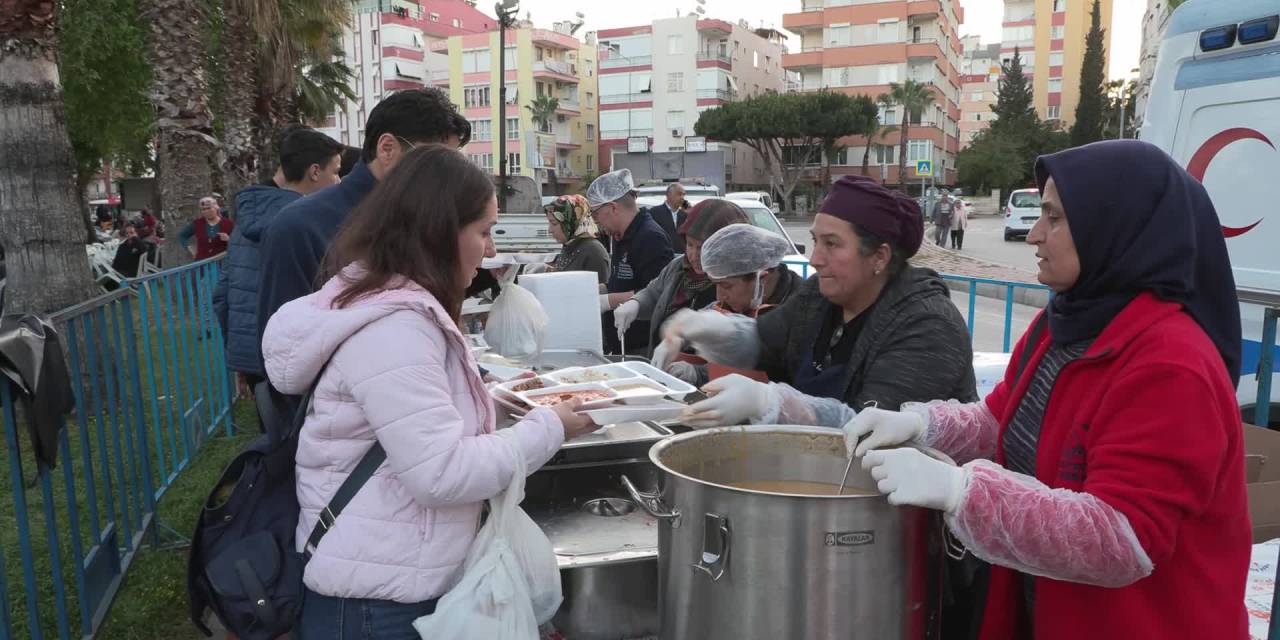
x: 845, y: 480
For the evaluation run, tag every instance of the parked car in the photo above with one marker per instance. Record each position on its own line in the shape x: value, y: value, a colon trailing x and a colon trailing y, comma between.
x: 1021, y: 213
x: 761, y: 216
x: 759, y: 196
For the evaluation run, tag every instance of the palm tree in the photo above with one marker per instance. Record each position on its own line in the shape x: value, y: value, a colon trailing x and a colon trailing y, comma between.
x: 542, y: 110
x: 40, y: 225
x: 185, y: 145
x: 914, y: 97
x: 878, y: 131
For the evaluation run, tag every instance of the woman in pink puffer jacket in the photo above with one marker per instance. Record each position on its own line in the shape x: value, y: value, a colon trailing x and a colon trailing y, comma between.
x: 399, y: 371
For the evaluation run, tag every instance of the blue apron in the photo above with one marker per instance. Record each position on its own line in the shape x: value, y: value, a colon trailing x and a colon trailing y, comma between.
x: 816, y: 380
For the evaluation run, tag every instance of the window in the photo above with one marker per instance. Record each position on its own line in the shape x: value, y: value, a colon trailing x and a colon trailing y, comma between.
x: 675, y: 120
x: 888, y: 32
x: 675, y: 82
x: 475, y: 61
x: 977, y: 117
x: 481, y: 130
x: 475, y: 97
x: 886, y: 154
x: 457, y: 23
x: 755, y: 59
x: 1055, y: 85
x: 918, y: 150
x: 1057, y: 33
x: 374, y: 38
x: 483, y: 160
x: 537, y: 53
x: 675, y: 45
x: 1055, y: 59
x: 838, y: 35
x: 510, y: 57
x: 1054, y: 112
x: 591, y: 98
x: 887, y: 73
x: 513, y: 163
x: 1059, y: 5
x: 435, y: 17
x: 591, y: 133
x: 977, y: 96
x: 888, y: 116
x: 915, y: 34
x: 1018, y: 34
x: 513, y: 128
x: 591, y: 163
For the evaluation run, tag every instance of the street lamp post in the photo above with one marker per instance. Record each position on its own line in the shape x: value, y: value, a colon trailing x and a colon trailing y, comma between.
x: 506, y: 10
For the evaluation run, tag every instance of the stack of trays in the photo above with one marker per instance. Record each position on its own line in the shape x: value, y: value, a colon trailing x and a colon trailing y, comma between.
x: 611, y: 394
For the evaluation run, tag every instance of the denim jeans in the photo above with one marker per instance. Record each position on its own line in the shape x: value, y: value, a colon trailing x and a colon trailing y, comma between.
x: 328, y: 618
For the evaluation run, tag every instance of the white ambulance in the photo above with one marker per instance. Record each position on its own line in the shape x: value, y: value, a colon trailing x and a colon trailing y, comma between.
x: 1215, y: 107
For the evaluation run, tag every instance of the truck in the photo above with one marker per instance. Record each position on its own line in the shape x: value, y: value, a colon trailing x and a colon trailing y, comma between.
x: 1215, y: 108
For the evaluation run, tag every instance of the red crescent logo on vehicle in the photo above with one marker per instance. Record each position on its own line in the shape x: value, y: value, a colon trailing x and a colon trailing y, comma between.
x: 1206, y: 153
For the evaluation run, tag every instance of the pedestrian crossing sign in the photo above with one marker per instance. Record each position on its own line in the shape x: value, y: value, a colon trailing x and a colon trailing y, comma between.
x: 924, y: 168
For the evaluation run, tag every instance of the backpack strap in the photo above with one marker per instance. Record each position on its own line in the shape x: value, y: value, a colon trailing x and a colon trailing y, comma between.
x: 372, y: 459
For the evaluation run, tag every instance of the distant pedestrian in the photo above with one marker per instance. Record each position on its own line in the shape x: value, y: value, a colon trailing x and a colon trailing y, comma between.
x: 958, y: 223
x: 211, y: 231
x: 943, y: 211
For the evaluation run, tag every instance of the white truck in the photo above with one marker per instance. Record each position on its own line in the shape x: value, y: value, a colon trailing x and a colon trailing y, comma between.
x: 1215, y: 107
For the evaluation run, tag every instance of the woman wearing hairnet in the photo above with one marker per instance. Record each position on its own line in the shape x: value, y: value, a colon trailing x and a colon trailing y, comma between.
x: 745, y: 264
x: 682, y: 283
x: 569, y: 222
x: 869, y: 329
x: 1104, y: 477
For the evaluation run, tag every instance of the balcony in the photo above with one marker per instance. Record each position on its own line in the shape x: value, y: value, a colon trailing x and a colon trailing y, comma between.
x: 623, y: 134
x: 924, y: 48
x: 715, y: 94
x: 813, y: 5
x: 624, y: 61
x: 802, y: 60
x: 923, y: 8
x: 561, y: 70
x: 623, y: 98
x: 811, y: 19
x: 714, y: 56
x: 569, y: 105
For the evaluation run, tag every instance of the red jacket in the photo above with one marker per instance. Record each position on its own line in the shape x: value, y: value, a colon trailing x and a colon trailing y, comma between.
x: 207, y: 247
x: 1147, y: 422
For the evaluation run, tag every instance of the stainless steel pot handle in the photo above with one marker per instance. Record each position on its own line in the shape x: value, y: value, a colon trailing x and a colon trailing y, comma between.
x: 715, y: 546
x: 652, y: 503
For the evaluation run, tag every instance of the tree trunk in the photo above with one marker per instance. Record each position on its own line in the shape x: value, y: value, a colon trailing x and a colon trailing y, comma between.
x: 40, y: 220
x: 241, y: 63
x: 905, y: 130
x: 866, y: 159
x: 185, y: 145
x: 555, y: 185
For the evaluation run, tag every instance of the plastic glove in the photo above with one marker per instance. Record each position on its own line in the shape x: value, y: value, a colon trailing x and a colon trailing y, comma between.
x: 685, y: 371
x: 695, y: 326
x: 537, y: 267
x: 882, y: 429
x: 909, y: 477
x: 625, y: 314
x: 734, y: 399
x: 604, y: 302
x: 726, y: 339
x: 664, y: 353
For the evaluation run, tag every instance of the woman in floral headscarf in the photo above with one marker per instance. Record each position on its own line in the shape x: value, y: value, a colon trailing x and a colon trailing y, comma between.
x: 569, y: 222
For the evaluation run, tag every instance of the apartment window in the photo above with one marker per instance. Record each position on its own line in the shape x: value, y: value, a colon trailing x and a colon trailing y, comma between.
x: 755, y: 59
x: 1055, y: 85
x: 977, y: 117
x: 888, y: 116
x: 919, y: 150
x: 1059, y: 5
x: 483, y: 160
x: 888, y: 32
x: 887, y: 73
x: 675, y: 82
x: 457, y: 23
x: 475, y: 97
x: 513, y: 163
x: 1057, y: 33
x: 591, y: 163
x: 513, y: 96
x: 886, y: 154
x: 591, y: 133
x: 537, y: 53
x: 481, y: 130
x: 915, y: 34
x: 675, y: 45
x: 675, y: 120
x: 838, y: 35
x: 435, y: 17
x: 1055, y: 59
x: 475, y: 61
x: 591, y: 98
x: 976, y: 96
x: 513, y: 128
x: 1054, y: 112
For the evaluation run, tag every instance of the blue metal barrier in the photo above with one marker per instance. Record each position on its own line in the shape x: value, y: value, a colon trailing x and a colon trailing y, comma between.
x: 150, y: 383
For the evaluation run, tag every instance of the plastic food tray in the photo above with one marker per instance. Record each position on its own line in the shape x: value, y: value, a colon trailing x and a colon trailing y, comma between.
x: 532, y: 396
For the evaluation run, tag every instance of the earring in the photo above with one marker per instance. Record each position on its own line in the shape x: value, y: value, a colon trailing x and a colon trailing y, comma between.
x: 877, y: 271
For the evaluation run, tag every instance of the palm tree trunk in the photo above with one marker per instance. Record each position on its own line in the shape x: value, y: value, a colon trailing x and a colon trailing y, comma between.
x: 905, y: 131
x: 866, y: 159
x: 241, y: 64
x: 40, y: 221
x: 185, y: 144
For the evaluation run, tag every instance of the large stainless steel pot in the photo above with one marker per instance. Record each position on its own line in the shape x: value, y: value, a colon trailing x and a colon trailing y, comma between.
x: 737, y: 564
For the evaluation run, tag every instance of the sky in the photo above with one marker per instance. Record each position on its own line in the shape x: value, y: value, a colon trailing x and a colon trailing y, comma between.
x: 982, y: 17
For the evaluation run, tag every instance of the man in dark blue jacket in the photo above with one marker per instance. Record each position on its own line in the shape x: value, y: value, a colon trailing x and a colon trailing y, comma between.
x: 309, y: 162
x: 295, y: 243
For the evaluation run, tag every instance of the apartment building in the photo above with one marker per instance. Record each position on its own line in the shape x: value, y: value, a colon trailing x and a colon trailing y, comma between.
x: 979, y: 86
x: 860, y: 47
x: 539, y: 62
x: 1050, y: 37
x: 388, y: 48
x: 656, y: 79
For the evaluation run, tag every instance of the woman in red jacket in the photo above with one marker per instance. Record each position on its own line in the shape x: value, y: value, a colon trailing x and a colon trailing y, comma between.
x: 1104, y: 477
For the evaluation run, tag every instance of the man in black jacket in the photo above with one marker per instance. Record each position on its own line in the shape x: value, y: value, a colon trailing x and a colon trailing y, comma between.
x: 670, y: 215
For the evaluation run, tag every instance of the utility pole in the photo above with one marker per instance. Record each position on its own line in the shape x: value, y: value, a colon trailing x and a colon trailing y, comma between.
x: 506, y: 10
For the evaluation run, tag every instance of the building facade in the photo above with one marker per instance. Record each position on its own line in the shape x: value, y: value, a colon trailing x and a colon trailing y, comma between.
x: 655, y: 80
x: 979, y: 87
x: 1050, y: 37
x: 1154, y: 22
x: 539, y: 62
x: 861, y: 47
x: 387, y: 45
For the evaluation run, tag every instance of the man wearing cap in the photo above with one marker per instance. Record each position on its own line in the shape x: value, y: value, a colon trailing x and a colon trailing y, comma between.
x: 870, y: 328
x: 640, y: 247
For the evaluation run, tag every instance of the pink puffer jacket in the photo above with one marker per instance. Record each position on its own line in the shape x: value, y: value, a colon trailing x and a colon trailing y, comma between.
x: 400, y: 372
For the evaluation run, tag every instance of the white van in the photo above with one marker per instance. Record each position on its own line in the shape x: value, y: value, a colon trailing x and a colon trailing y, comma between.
x: 1215, y: 107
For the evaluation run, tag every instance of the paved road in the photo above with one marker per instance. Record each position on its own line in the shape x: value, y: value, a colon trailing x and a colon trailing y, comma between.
x: 983, y: 240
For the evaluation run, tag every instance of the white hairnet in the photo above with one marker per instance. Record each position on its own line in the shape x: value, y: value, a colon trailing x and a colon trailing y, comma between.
x: 742, y: 249
x: 610, y: 187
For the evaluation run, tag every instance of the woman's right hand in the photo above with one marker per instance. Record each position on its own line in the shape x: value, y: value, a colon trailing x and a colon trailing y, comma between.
x: 575, y: 424
x: 881, y: 429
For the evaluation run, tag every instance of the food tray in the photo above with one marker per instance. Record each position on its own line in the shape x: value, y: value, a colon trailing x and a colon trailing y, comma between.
x: 535, y: 397
x: 659, y: 411
x: 604, y: 373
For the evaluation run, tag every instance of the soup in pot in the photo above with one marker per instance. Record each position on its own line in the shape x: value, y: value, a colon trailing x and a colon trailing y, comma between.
x: 799, y: 487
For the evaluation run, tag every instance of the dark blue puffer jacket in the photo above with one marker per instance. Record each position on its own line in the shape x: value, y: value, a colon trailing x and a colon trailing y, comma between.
x: 236, y: 296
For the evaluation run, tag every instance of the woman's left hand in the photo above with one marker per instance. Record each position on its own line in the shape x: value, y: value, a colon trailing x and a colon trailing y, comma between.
x: 734, y: 399
x: 909, y: 477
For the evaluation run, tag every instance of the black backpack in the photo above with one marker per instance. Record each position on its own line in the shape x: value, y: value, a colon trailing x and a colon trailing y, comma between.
x: 243, y: 564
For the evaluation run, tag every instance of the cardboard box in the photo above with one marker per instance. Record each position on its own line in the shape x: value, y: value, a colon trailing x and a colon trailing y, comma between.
x: 1262, y: 472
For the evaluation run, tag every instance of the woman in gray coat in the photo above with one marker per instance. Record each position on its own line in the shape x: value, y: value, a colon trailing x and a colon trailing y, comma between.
x: 569, y: 222
x: 682, y: 283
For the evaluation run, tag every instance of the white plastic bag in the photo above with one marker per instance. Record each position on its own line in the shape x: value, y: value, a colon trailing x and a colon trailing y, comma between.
x: 510, y: 582
x: 517, y: 326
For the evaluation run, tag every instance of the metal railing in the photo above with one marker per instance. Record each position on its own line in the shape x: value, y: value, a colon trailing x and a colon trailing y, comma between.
x: 625, y: 61
x: 620, y: 98
x: 150, y: 384
x: 619, y: 134
x: 554, y: 66
x: 718, y: 94
x: 714, y: 56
